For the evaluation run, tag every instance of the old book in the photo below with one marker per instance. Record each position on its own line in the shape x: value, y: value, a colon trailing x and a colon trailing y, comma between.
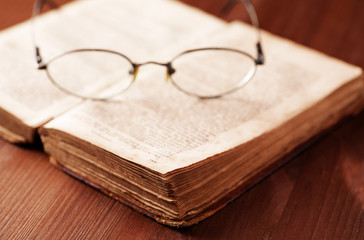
x: 173, y: 157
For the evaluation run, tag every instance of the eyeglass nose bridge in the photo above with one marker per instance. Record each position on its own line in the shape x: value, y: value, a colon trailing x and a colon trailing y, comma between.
x: 168, y: 65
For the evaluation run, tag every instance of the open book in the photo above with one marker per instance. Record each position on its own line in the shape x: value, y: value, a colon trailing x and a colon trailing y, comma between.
x: 175, y: 158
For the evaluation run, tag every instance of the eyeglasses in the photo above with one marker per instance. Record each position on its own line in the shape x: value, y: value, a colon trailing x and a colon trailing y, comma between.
x: 101, y: 74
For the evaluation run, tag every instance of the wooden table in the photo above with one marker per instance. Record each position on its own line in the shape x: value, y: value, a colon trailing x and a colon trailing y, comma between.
x: 318, y: 195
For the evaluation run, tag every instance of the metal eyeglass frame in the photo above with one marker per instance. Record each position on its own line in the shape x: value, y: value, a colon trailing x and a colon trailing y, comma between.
x: 259, y: 60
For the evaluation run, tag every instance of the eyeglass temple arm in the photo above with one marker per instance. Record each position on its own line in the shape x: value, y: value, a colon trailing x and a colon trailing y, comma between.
x: 36, y: 11
x: 248, y: 5
x: 254, y: 20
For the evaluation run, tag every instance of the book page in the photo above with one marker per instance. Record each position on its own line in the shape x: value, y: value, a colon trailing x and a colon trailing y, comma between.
x: 157, y: 126
x: 26, y: 93
x: 124, y: 26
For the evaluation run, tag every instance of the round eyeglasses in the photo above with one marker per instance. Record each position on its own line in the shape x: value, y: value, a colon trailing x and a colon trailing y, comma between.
x: 101, y: 74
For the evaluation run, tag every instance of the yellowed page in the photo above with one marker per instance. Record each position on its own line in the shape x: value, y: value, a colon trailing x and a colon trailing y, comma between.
x: 140, y: 29
x: 157, y: 126
x: 26, y: 92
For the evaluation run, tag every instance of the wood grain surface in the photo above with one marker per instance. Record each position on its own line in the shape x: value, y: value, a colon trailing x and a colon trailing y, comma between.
x: 319, y: 194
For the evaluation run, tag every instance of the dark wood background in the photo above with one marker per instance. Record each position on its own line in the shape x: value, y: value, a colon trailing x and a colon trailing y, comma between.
x: 319, y: 194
